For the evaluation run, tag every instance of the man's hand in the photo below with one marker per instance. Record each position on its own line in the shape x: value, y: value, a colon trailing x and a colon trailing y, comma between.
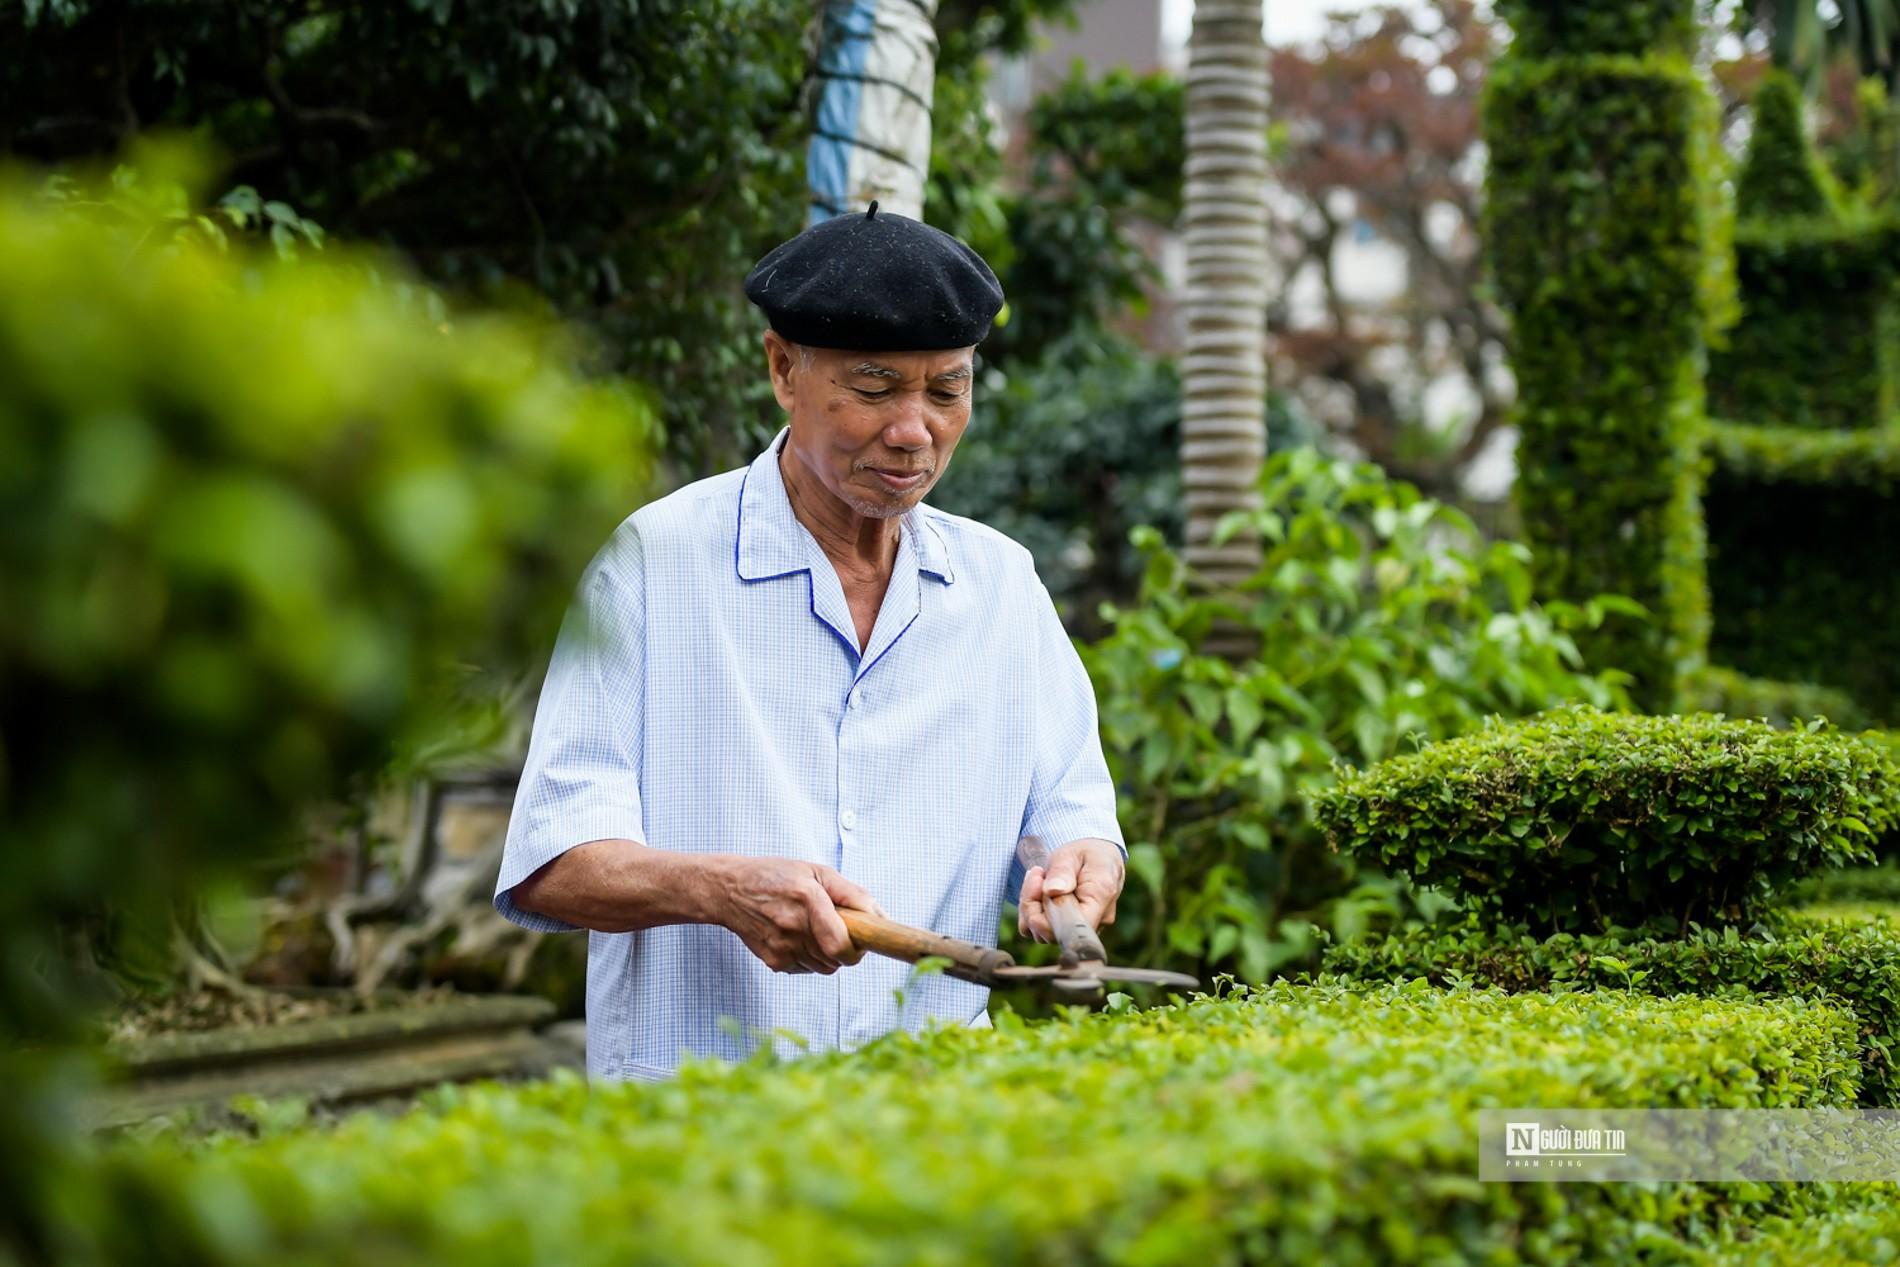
x: 1090, y: 869
x: 786, y: 912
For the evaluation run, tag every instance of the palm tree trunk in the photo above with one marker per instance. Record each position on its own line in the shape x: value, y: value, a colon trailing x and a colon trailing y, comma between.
x: 877, y: 61
x: 1223, y: 374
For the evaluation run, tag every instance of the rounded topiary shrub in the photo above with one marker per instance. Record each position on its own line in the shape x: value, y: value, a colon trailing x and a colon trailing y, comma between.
x: 1580, y: 820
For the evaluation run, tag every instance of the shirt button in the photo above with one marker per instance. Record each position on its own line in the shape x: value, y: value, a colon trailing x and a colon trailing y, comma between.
x: 849, y: 819
x: 851, y: 700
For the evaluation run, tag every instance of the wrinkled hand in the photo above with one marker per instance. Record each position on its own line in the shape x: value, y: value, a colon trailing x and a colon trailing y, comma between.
x: 1091, y: 869
x: 786, y: 912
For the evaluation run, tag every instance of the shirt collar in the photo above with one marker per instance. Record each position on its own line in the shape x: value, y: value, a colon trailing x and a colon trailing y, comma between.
x: 771, y: 541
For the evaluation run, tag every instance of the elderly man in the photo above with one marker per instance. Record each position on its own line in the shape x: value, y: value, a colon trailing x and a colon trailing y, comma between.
x: 794, y: 687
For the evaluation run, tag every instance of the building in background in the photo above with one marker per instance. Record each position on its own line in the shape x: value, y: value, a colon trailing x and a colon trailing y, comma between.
x: 1366, y: 272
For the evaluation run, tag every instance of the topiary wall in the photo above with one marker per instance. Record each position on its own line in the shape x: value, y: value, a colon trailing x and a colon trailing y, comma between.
x: 1804, y: 530
x: 1819, y: 333
x: 1802, y: 521
x: 1603, y: 225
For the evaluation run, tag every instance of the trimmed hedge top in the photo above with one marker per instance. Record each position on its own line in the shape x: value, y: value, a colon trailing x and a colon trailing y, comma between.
x: 1580, y: 820
x: 1853, y: 959
x: 1782, y: 175
x: 1625, y: 27
x: 1288, y: 1124
x: 1718, y: 689
x: 1803, y: 455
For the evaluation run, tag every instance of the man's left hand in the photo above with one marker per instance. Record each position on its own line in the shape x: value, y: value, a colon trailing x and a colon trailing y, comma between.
x: 1090, y: 869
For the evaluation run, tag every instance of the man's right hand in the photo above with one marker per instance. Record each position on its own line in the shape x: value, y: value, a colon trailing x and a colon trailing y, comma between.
x: 786, y: 912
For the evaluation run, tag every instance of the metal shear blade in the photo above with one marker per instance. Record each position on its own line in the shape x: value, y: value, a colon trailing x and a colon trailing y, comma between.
x: 1089, y: 977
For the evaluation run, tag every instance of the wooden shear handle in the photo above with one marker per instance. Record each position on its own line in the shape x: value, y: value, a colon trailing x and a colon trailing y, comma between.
x: 1073, y: 932
x: 968, y: 961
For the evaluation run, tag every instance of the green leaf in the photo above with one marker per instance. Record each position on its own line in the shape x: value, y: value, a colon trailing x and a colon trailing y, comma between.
x: 1244, y: 714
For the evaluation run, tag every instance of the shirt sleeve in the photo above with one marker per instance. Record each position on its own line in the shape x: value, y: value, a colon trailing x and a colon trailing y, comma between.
x: 581, y: 780
x: 1070, y: 793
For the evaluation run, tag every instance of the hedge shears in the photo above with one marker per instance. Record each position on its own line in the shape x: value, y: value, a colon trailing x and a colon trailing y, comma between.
x: 1083, y: 968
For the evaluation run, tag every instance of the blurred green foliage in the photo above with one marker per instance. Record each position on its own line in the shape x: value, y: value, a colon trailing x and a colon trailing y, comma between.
x: 1068, y: 453
x: 623, y: 164
x: 1103, y: 155
x: 1076, y: 435
x: 1592, y: 28
x: 1606, y: 233
x: 1578, y: 820
x: 1805, y: 37
x: 1854, y: 884
x: 1383, y: 618
x: 258, y: 518
x: 1720, y: 690
x: 967, y: 192
x: 1287, y: 1124
x: 627, y: 163
x: 162, y: 211
x: 1862, y: 1228
x: 1866, y: 157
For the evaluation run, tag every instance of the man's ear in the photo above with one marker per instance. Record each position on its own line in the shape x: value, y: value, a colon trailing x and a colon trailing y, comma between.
x: 781, y: 362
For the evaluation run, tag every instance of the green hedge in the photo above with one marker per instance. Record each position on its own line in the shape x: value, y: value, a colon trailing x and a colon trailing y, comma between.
x: 1289, y: 1124
x: 1819, y: 334
x: 1781, y: 175
x: 1604, y: 231
x: 1800, y: 526
x: 1578, y: 820
x: 1631, y: 27
x: 1714, y: 689
x: 1859, y: 911
x: 1861, y: 1230
x: 1850, y: 884
x: 1854, y: 962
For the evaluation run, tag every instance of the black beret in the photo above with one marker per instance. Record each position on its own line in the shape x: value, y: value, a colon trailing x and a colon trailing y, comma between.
x: 876, y: 282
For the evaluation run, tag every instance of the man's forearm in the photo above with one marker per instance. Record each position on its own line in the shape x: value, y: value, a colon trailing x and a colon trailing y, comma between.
x: 620, y: 886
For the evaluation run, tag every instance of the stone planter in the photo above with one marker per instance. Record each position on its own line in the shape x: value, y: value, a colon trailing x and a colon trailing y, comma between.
x: 333, y: 1060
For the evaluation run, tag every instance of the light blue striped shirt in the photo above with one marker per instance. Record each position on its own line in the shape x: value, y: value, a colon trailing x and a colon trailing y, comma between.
x: 707, y: 695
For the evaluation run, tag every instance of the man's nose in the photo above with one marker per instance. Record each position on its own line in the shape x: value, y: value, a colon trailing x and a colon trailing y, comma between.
x: 908, y: 429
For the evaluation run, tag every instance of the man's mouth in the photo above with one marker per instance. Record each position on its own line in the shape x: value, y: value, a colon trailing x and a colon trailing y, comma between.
x: 898, y: 481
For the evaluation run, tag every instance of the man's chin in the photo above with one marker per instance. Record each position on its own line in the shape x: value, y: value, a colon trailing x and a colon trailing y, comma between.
x: 888, y: 503
x: 898, y: 504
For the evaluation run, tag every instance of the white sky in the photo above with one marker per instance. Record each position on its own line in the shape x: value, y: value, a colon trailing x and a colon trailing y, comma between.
x: 1288, y: 21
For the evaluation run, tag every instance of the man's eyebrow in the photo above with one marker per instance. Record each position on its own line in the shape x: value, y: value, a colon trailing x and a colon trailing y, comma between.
x: 872, y: 369
x: 950, y: 376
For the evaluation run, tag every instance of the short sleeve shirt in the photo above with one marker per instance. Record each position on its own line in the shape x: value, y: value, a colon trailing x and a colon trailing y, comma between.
x: 707, y: 695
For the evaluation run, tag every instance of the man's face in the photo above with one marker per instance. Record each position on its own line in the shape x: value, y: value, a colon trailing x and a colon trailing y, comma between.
x: 876, y: 428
